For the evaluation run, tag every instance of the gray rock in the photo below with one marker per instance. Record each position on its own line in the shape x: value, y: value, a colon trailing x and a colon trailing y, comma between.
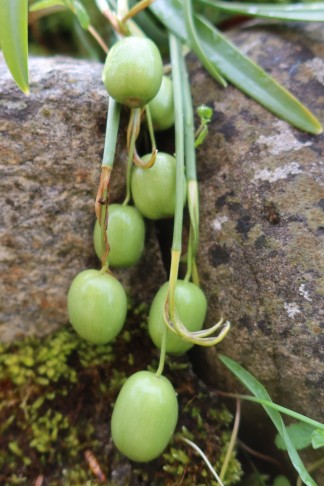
x: 51, y: 145
x: 262, y: 222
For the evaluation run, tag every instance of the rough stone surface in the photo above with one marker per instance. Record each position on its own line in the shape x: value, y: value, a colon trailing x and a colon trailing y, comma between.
x: 51, y: 145
x: 262, y: 223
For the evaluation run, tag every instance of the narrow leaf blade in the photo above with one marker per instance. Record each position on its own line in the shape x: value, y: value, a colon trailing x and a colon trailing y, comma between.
x: 44, y: 4
x: 81, y: 14
x: 195, y: 44
x: 302, y: 12
x: 14, y: 39
x: 259, y: 391
x: 239, y: 69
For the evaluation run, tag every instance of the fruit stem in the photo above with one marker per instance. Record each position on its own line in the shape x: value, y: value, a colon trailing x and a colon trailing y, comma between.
x: 191, y: 173
x: 232, y: 441
x: 150, y: 127
x: 159, y: 371
x: 136, y: 9
x: 133, y: 129
x: 102, y: 198
x: 111, y: 133
x: 176, y: 55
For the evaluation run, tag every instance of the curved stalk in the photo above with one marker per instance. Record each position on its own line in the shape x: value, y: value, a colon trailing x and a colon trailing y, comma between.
x: 171, y: 318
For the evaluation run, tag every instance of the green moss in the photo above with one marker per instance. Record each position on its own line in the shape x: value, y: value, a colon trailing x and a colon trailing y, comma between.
x: 56, y: 398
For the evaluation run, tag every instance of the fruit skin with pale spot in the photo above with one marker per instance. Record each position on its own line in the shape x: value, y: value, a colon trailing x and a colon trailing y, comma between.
x: 126, y: 236
x: 133, y: 71
x: 191, y: 307
x: 97, y: 306
x: 144, y: 417
x: 154, y: 189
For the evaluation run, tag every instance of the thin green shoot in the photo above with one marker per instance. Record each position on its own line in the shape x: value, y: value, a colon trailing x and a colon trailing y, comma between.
x: 275, y: 406
x: 259, y: 391
x: 134, y: 123
x: 205, y: 459
x: 205, y: 114
x: 232, y: 441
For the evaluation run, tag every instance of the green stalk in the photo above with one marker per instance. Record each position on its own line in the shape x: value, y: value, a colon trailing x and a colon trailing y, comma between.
x: 232, y: 441
x: 159, y: 371
x: 135, y: 121
x: 191, y: 173
x: 175, y: 52
x: 150, y: 127
x: 176, y: 57
x: 106, y: 168
x: 111, y: 133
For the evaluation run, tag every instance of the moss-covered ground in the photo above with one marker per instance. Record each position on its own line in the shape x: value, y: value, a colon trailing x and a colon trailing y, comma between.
x: 56, y: 400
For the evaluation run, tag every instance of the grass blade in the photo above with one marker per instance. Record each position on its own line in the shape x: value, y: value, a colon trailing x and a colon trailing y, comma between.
x: 195, y: 44
x: 44, y: 4
x: 302, y: 12
x: 14, y: 39
x: 259, y: 391
x: 280, y: 408
x: 237, y: 68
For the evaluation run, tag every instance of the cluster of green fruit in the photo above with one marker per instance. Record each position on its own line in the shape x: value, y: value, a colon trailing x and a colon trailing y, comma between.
x: 146, y: 410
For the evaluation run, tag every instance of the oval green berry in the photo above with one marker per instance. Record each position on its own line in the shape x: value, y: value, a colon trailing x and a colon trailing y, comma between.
x: 97, y: 306
x: 133, y: 71
x: 126, y: 236
x: 161, y: 107
x: 154, y: 189
x: 144, y: 416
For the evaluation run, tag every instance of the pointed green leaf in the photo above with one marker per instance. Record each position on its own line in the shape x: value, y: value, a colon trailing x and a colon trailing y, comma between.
x: 300, y: 434
x: 318, y: 439
x: 14, y: 39
x: 302, y: 12
x: 298, y: 416
x: 43, y: 4
x: 81, y: 13
x: 259, y: 391
x: 237, y: 68
x: 195, y: 44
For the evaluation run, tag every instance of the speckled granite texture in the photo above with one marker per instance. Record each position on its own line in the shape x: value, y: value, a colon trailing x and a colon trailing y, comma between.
x: 262, y: 221
x: 51, y: 145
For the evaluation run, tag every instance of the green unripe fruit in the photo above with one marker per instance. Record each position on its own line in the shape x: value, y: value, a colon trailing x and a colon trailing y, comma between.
x: 161, y: 107
x: 144, y: 417
x: 97, y: 306
x: 191, y: 307
x: 154, y: 189
x: 126, y: 236
x: 133, y: 71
